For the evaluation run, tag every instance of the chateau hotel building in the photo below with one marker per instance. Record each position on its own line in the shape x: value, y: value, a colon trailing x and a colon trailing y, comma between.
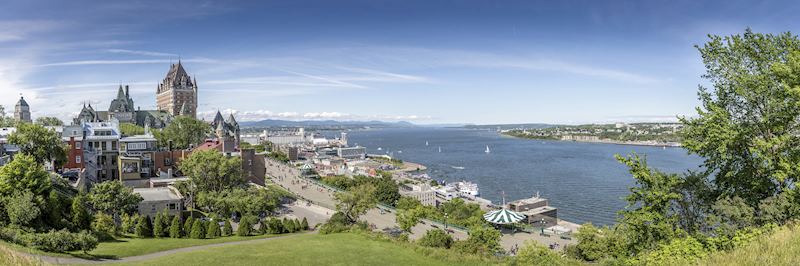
x: 177, y: 93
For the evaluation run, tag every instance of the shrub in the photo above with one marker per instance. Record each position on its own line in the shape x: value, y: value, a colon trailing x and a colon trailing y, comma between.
x: 22, y: 208
x: 436, y: 238
x: 262, y: 227
x: 274, y: 226
x: 104, y: 226
x: 227, y: 229
x: 175, y: 227
x: 143, y: 227
x: 198, y: 231
x: 336, y: 224
x: 244, y: 227
x: 128, y: 223
x: 304, y: 224
x: 187, y: 225
x: 213, y: 230
x: 62, y: 241
x: 288, y: 225
x: 297, y: 226
x: 533, y: 253
x: 158, y: 225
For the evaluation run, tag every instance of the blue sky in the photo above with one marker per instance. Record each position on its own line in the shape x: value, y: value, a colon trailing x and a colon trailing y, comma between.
x: 421, y: 61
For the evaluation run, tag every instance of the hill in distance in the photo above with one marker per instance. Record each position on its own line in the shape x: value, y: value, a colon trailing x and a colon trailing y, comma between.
x: 324, y: 123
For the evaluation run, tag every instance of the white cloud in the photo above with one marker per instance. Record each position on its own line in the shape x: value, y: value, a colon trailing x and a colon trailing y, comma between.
x: 257, y: 115
x: 139, y: 52
x: 124, y: 62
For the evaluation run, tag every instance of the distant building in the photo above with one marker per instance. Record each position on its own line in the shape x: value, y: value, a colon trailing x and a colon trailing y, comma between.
x: 177, y: 93
x: 122, y: 110
x: 539, y: 213
x: 253, y: 166
x: 22, y: 111
x: 154, y: 200
x: 227, y: 131
x: 136, y: 157
x: 100, y: 150
x: 423, y: 193
x: 352, y: 152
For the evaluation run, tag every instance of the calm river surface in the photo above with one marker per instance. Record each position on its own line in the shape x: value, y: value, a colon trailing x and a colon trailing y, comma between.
x: 583, y: 180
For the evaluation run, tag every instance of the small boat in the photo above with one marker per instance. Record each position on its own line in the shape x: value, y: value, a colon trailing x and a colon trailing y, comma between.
x: 487, y: 149
x: 426, y: 143
x: 457, y: 167
x: 380, y: 149
x: 440, y: 148
x: 399, y: 151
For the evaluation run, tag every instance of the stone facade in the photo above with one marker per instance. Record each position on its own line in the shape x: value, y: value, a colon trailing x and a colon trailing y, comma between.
x: 122, y: 110
x: 22, y: 111
x: 177, y: 93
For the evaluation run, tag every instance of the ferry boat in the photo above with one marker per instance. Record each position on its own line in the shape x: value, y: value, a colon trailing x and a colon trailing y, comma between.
x: 467, y: 189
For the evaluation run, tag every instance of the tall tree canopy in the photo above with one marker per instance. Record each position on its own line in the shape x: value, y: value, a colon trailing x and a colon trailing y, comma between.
x: 43, y: 144
x: 356, y: 201
x: 24, y: 174
x: 212, y: 171
x: 183, y: 132
x: 747, y: 127
x: 113, y: 197
x: 49, y: 121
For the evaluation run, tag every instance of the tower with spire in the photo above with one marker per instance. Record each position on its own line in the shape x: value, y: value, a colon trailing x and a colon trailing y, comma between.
x: 226, y: 130
x: 177, y: 93
x: 22, y: 111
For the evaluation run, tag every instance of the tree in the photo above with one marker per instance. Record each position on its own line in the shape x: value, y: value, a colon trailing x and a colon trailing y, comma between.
x: 48, y: 121
x: 244, y: 227
x: 183, y: 131
x: 274, y: 226
x: 144, y: 227
x: 533, y: 253
x: 22, y: 208
x: 482, y: 240
x: 386, y: 190
x: 175, y: 227
x: 436, y: 238
x: 4, y: 120
x: 80, y: 214
x: 648, y: 218
x: 262, y: 227
x: 158, y: 225
x: 56, y: 210
x: 304, y: 224
x: 187, y: 226
x: 104, y: 225
x: 129, y: 129
x: 24, y: 174
x: 408, y: 218
x: 213, y: 230
x: 288, y: 225
x: 746, y: 129
x: 112, y: 197
x: 198, y: 232
x: 356, y: 202
x: 227, y: 229
x: 43, y: 144
x: 212, y: 171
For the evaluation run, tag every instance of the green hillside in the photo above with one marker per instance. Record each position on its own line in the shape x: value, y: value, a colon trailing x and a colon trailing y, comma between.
x: 780, y: 248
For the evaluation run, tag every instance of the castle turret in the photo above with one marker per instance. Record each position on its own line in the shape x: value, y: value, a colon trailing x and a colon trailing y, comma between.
x: 22, y: 111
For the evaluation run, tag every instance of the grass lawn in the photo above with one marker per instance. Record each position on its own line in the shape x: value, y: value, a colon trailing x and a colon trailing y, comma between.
x: 312, y: 249
x: 126, y: 247
x: 780, y: 248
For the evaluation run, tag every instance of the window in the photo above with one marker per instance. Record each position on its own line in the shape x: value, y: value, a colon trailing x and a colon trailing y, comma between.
x: 77, y: 145
x: 113, y: 145
x: 172, y: 206
x: 103, y: 145
x: 77, y: 159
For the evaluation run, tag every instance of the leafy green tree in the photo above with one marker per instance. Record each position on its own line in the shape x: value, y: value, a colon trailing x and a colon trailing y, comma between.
x: 274, y: 226
x: 356, y: 201
x: 386, y: 190
x: 48, y: 121
x: 56, y: 209
x: 198, y: 230
x: 212, y: 171
x: 288, y: 225
x: 251, y: 201
x: 128, y: 129
x: 227, y: 229
x: 128, y: 223
x: 244, y: 227
x: 112, y: 197
x: 407, y: 203
x: 746, y: 129
x: 144, y: 227
x: 175, y: 227
x: 158, y: 225
x: 104, y: 225
x: 304, y: 224
x: 187, y: 226
x: 80, y: 214
x: 482, y: 240
x: 297, y: 226
x: 436, y: 238
x: 647, y: 217
x: 408, y: 218
x: 183, y: 131
x: 43, y: 144
x: 213, y: 230
x: 24, y: 174
x: 22, y: 208
x: 6, y: 121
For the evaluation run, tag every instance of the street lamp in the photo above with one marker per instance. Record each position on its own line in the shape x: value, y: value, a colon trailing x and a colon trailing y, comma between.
x: 445, y: 221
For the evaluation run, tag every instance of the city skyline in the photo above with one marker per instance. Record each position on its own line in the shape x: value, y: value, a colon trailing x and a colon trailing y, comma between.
x: 422, y: 62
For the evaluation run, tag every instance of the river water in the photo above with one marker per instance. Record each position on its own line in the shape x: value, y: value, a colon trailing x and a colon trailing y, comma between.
x: 583, y: 180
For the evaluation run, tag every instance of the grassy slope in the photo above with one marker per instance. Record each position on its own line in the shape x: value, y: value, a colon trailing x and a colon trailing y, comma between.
x: 780, y: 248
x: 9, y: 256
x: 335, y: 249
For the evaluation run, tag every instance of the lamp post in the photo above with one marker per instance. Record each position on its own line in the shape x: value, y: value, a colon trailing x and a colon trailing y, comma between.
x: 445, y: 221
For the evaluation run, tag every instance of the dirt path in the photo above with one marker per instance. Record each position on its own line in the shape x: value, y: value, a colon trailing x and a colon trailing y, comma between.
x: 73, y: 260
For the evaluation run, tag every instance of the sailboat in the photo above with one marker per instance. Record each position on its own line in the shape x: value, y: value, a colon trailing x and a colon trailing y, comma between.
x: 440, y: 148
x: 426, y: 143
x: 487, y: 149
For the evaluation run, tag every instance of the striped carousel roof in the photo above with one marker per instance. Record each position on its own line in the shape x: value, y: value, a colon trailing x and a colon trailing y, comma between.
x: 503, y: 216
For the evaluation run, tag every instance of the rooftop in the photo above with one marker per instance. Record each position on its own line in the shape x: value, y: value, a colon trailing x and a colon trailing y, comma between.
x: 530, y: 200
x: 157, y: 194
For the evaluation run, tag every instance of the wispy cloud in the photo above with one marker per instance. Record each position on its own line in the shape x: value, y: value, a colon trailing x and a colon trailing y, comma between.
x: 124, y: 62
x: 139, y: 52
x: 257, y: 115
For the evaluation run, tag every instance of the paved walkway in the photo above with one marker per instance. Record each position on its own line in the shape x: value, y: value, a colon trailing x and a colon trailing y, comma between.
x: 73, y: 260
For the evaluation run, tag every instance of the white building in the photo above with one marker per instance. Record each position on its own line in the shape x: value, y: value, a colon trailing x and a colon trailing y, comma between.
x: 423, y: 193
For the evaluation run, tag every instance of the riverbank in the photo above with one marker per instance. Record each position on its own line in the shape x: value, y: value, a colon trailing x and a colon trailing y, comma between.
x: 649, y: 143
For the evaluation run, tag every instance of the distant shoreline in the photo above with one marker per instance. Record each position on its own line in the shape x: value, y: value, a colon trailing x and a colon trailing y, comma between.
x: 609, y: 141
